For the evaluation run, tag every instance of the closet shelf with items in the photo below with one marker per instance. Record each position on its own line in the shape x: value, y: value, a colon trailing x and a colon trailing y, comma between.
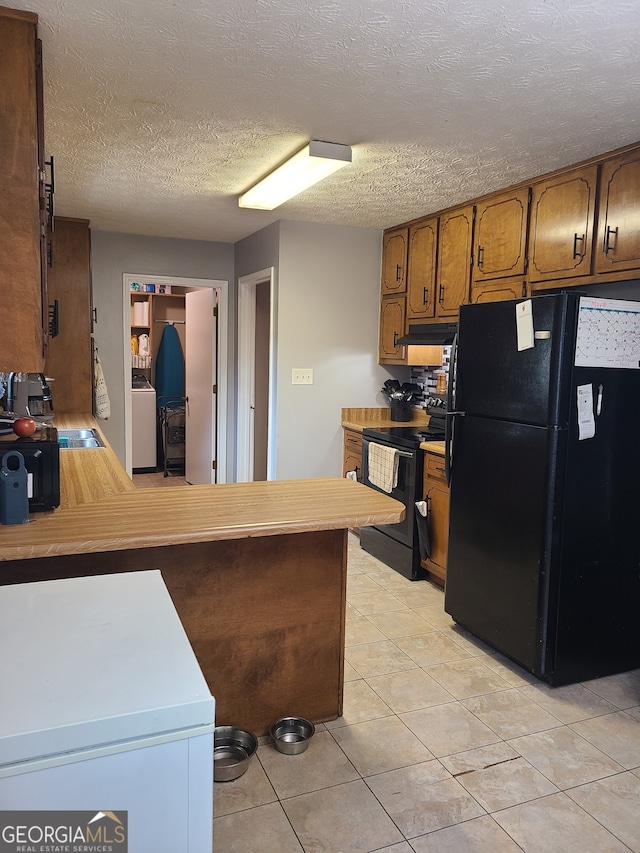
x: 153, y: 306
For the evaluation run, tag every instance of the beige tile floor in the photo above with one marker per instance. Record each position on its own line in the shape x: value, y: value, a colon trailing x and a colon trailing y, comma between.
x: 444, y: 747
x: 157, y: 479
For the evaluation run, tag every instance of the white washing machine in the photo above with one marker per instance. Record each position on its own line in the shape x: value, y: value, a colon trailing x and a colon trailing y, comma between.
x: 144, y: 426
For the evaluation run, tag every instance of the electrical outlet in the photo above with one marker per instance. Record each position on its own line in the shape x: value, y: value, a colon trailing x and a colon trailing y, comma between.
x: 302, y: 376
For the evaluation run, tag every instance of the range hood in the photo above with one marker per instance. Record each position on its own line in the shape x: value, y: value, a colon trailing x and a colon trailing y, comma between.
x: 424, y: 334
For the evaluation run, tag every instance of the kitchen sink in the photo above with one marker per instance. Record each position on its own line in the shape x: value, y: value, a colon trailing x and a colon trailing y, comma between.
x: 75, y: 439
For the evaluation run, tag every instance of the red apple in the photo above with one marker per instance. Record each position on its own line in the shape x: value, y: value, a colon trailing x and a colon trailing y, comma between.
x: 24, y: 427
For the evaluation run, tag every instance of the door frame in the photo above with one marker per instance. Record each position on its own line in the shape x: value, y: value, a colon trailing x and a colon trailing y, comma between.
x: 222, y: 288
x: 246, y: 373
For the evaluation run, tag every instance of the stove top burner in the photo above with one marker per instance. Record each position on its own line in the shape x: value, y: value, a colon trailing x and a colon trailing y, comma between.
x: 407, y: 436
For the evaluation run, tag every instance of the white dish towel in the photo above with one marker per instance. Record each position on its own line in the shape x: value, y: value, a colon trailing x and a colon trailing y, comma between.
x: 383, y: 467
x: 101, y: 395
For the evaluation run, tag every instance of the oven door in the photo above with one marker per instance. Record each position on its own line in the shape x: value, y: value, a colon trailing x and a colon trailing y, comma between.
x: 409, y: 477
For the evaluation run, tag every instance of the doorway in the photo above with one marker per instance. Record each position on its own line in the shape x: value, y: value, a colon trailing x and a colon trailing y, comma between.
x: 206, y: 412
x: 256, y: 376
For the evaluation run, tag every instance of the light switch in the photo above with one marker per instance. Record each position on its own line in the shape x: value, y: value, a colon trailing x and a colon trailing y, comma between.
x: 302, y: 376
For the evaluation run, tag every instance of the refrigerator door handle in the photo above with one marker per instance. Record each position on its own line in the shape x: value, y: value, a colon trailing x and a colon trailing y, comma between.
x: 448, y: 423
x: 449, y: 431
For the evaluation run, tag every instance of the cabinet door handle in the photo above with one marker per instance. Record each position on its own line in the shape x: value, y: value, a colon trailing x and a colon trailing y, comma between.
x: 479, y: 256
x: 524, y: 289
x: 425, y: 293
x: 441, y: 294
x: 395, y: 340
x: 607, y: 239
x: 577, y: 239
x: 398, y: 272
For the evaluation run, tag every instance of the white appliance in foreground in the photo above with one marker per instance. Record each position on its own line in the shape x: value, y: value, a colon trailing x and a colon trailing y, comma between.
x: 104, y: 708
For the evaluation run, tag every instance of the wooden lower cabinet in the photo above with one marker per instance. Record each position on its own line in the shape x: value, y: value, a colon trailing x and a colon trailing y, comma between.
x: 352, y: 453
x: 436, y: 494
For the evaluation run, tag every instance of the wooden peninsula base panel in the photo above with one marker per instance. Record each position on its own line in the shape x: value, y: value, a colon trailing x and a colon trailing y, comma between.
x: 265, y: 616
x: 257, y: 571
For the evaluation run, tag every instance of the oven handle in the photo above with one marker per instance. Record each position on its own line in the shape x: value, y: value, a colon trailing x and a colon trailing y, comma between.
x: 406, y: 453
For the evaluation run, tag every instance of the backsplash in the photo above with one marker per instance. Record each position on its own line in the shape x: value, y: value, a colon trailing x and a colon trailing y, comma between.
x: 425, y: 377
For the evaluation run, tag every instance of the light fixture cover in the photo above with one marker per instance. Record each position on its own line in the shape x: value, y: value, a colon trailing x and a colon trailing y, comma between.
x: 314, y: 162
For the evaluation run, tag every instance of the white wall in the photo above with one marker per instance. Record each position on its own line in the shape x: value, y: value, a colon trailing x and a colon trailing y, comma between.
x: 112, y: 255
x: 328, y: 307
x: 328, y: 284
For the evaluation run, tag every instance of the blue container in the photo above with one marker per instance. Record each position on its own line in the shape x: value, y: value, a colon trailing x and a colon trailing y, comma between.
x: 14, y: 496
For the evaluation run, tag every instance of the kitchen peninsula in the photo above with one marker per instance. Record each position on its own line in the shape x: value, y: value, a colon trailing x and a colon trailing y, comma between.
x: 257, y: 571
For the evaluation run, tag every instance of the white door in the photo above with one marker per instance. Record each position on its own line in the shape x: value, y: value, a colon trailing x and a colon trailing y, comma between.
x: 250, y: 404
x: 200, y: 386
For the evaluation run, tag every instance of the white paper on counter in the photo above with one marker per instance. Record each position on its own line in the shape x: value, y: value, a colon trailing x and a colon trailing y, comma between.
x: 586, y: 421
x: 524, y: 325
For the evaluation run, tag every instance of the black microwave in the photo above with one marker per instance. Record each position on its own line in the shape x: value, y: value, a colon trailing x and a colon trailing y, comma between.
x: 41, y: 453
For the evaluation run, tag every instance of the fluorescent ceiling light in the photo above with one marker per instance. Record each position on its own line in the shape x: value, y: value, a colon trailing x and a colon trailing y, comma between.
x: 315, y: 162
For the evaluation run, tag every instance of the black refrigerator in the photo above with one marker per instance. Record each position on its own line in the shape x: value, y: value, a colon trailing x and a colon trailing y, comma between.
x: 543, y: 452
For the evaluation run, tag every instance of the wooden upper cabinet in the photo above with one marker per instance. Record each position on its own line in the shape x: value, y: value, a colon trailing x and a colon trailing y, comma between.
x: 499, y: 290
x: 22, y: 343
x: 392, y: 327
x: 454, y: 261
x: 501, y: 236
x: 421, y: 285
x: 69, y: 359
x: 618, y: 246
x: 394, y: 261
x: 562, y: 212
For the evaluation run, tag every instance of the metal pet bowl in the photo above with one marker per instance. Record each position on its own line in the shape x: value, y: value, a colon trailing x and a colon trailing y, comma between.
x: 233, y: 749
x: 291, y: 735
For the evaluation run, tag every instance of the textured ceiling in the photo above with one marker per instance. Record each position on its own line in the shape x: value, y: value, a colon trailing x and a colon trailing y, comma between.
x: 160, y: 112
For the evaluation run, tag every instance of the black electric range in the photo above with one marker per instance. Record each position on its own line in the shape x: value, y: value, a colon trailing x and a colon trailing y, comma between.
x: 405, y: 436
x: 397, y: 545
x: 413, y: 435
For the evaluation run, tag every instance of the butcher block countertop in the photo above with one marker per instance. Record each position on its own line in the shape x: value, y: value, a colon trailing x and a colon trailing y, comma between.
x: 101, y: 510
x: 89, y: 475
x: 433, y: 447
x: 359, y: 419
